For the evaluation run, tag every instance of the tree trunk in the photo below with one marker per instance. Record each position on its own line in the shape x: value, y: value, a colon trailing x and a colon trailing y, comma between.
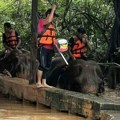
x: 33, y: 46
x: 114, y: 44
x: 115, y: 36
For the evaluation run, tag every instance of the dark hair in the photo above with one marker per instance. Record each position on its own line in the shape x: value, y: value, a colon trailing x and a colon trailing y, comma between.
x: 7, y: 24
x: 81, y: 30
x: 49, y: 11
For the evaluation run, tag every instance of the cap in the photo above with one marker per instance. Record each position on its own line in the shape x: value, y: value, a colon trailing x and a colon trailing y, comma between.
x: 49, y: 11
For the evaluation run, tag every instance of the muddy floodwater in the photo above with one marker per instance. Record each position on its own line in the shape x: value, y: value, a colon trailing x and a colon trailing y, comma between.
x: 15, y: 110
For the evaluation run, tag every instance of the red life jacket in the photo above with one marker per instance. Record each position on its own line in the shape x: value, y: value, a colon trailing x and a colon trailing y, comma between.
x: 47, y: 37
x: 79, y: 48
x: 11, y: 39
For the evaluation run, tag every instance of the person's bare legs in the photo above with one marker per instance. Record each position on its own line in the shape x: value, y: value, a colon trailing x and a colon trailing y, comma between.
x: 39, y: 78
x: 44, y: 84
x: 41, y: 82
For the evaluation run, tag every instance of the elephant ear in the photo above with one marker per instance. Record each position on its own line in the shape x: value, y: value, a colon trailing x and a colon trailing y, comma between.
x: 54, y: 74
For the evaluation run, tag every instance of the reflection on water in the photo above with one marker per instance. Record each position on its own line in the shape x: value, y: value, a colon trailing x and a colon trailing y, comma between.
x: 14, y: 110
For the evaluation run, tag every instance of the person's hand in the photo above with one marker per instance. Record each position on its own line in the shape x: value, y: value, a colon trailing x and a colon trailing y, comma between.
x: 74, y: 58
x: 54, y: 6
x: 10, y: 49
x: 16, y: 48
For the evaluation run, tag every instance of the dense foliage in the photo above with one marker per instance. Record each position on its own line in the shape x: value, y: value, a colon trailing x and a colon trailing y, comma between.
x: 97, y: 16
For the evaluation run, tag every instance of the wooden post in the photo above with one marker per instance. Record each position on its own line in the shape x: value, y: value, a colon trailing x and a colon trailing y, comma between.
x: 33, y: 46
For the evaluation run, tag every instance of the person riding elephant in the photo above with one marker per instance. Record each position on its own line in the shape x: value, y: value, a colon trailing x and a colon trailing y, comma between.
x: 78, y: 44
x: 10, y: 38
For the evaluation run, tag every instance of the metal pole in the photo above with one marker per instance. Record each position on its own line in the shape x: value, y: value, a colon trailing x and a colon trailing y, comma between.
x: 62, y: 56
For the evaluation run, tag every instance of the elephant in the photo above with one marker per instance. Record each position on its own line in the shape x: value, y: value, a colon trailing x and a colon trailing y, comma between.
x: 80, y: 76
x: 16, y: 63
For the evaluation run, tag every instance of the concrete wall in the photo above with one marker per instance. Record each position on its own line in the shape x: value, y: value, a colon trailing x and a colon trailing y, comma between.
x: 73, y: 102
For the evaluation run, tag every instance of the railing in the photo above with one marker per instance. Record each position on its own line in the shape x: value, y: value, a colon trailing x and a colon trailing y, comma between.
x: 111, y: 73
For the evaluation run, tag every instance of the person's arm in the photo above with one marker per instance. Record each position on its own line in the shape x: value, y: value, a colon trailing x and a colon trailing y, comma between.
x: 51, y: 15
x: 19, y: 42
x: 70, y: 54
x: 18, y: 39
x: 88, y: 45
x: 4, y: 42
x: 70, y: 47
x: 85, y: 40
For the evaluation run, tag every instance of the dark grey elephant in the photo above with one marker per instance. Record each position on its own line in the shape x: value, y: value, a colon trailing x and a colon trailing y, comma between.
x: 17, y: 63
x: 79, y: 75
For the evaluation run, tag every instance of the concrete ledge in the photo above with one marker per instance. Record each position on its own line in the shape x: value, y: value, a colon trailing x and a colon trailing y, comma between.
x: 63, y: 100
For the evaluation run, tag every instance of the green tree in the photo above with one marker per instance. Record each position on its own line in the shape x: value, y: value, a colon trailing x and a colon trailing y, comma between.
x: 96, y: 16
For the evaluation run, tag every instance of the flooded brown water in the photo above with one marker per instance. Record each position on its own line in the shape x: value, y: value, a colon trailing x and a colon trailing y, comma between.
x: 15, y: 110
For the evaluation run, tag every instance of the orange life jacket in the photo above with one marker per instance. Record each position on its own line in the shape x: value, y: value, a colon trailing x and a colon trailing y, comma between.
x: 11, y: 39
x: 48, y: 36
x: 79, y: 48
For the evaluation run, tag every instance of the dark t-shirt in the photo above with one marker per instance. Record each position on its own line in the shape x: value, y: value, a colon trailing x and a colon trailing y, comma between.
x: 75, y: 38
x: 71, y: 42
